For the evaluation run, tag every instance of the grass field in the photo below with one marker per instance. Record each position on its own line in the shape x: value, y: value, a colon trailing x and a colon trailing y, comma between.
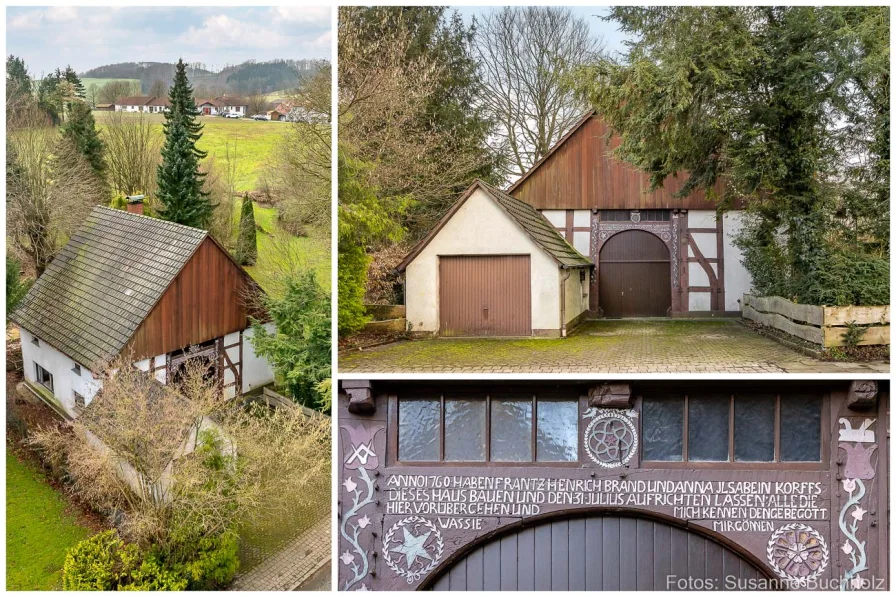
x: 100, y: 82
x: 39, y: 530
x: 278, y: 252
x: 256, y: 143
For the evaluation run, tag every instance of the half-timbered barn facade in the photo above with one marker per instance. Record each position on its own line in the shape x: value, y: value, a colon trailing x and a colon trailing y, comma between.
x: 636, y: 485
x: 159, y: 293
x: 653, y: 254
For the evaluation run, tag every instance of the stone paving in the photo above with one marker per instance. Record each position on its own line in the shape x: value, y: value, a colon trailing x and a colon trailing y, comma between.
x: 606, y: 346
x: 296, y: 563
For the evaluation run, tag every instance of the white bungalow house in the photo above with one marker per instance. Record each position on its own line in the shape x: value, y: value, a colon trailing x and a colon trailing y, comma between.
x: 222, y: 105
x: 161, y: 293
x: 142, y: 103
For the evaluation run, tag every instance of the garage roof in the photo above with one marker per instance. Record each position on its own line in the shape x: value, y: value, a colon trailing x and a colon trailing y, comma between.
x: 99, y: 289
x: 528, y: 218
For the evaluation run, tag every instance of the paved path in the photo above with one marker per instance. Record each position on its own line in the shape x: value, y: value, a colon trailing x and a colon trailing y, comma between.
x: 618, y: 346
x: 291, y: 566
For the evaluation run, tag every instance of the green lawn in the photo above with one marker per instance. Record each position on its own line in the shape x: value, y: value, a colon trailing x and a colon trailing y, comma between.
x: 39, y: 531
x: 256, y: 142
x: 278, y: 252
x: 100, y: 82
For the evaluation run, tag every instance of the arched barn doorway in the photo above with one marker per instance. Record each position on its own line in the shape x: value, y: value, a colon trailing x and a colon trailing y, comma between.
x: 598, y: 553
x: 635, y: 276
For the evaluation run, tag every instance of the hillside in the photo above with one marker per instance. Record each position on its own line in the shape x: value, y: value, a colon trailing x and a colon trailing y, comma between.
x: 250, y: 77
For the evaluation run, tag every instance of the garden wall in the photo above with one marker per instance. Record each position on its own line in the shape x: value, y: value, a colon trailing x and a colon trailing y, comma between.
x: 825, y: 326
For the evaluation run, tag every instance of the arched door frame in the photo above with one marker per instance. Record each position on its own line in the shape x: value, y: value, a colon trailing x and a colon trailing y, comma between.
x: 534, y: 521
x: 665, y: 234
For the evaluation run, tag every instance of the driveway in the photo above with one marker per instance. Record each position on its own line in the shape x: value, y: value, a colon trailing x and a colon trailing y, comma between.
x: 617, y: 346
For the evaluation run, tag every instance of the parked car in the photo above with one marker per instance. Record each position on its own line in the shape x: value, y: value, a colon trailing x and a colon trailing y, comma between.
x: 260, y: 117
x: 232, y: 115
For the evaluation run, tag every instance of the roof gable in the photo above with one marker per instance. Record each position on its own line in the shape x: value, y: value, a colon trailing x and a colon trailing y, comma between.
x: 529, y: 220
x: 578, y: 172
x: 99, y: 289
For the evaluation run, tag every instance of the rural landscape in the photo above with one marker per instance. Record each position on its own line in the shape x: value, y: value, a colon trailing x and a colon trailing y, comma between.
x: 193, y: 200
x: 644, y: 189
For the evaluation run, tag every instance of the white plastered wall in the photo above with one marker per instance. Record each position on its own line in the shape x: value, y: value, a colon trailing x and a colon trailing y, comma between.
x: 737, y: 279
x: 65, y: 381
x: 480, y: 227
x: 256, y: 370
x: 576, y: 291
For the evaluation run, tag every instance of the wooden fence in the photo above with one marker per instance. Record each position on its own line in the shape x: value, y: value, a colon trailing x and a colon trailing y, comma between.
x: 820, y: 325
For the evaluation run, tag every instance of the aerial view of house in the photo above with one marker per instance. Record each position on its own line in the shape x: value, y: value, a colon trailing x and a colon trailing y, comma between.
x: 158, y: 292
x: 168, y: 313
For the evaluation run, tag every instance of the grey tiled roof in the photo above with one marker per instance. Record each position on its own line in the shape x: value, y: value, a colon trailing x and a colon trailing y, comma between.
x: 102, y: 285
x: 539, y: 228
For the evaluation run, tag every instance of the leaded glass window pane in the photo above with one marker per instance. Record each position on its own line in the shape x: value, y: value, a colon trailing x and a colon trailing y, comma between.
x: 754, y: 428
x: 419, y: 429
x: 511, y: 435
x: 465, y: 429
x: 708, y: 428
x: 801, y: 428
x: 663, y: 428
x: 557, y: 431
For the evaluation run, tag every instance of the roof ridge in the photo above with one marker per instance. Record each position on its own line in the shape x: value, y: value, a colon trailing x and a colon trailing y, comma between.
x: 126, y: 213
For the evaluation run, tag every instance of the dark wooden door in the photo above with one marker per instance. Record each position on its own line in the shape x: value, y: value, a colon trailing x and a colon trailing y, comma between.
x: 635, y: 276
x: 485, y: 296
x: 598, y: 553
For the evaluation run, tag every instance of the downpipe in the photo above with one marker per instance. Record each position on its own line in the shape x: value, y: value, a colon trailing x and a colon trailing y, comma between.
x: 563, y: 303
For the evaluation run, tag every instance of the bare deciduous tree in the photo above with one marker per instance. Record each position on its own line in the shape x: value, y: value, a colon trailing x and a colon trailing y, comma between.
x: 181, y: 462
x: 50, y: 188
x: 93, y: 93
x: 115, y: 90
x: 525, y: 54
x: 383, y: 98
x: 300, y: 173
x: 158, y: 88
x: 257, y: 103
x: 133, y: 153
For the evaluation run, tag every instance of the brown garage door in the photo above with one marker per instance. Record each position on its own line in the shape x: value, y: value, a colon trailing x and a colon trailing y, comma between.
x: 609, y: 553
x: 485, y: 296
x: 635, y: 278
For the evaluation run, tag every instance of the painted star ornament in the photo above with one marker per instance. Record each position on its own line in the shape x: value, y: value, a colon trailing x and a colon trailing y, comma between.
x: 413, y: 547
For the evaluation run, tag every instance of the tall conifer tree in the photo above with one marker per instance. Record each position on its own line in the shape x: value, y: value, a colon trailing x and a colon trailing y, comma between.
x: 180, y: 181
x: 81, y: 130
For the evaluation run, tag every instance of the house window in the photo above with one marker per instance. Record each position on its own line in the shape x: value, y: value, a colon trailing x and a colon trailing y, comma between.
x: 35, y: 341
x: 644, y: 215
x: 501, y: 428
x: 724, y: 428
x: 44, y: 377
x: 80, y: 401
x: 76, y: 369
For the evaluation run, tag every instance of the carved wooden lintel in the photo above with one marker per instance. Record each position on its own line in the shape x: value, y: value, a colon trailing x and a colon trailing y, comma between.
x: 360, y: 393
x: 610, y: 395
x: 862, y: 395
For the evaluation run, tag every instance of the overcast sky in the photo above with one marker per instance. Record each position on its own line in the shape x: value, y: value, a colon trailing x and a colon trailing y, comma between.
x: 607, y: 31
x: 87, y: 37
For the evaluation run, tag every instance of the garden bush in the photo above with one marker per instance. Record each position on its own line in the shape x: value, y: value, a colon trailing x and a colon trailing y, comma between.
x: 106, y: 563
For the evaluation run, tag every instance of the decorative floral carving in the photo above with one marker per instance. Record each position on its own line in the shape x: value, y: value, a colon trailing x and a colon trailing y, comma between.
x: 611, y: 439
x: 852, y: 547
x: 413, y: 547
x: 359, y: 455
x: 797, y: 553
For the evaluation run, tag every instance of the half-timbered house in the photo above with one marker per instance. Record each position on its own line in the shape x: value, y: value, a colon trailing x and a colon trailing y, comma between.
x: 159, y: 293
x: 653, y: 254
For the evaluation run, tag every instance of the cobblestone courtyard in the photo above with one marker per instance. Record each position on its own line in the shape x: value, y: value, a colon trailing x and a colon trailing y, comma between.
x: 629, y: 346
